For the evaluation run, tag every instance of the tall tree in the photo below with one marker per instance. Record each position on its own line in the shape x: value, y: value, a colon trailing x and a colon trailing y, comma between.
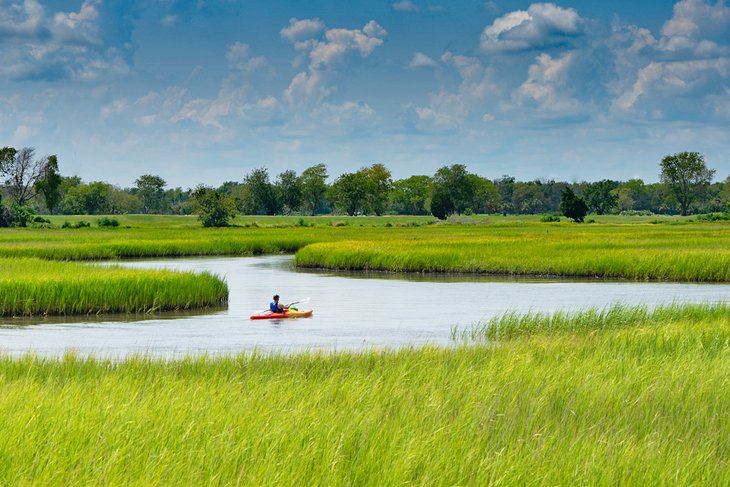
x: 410, y: 196
x: 289, y: 188
x: 573, y: 206
x: 151, y: 191
x: 21, y: 172
x: 257, y: 193
x: 49, y: 185
x: 687, y: 176
x: 349, y: 193
x: 378, y: 183
x: 454, y: 180
x: 601, y: 196
x: 314, y: 186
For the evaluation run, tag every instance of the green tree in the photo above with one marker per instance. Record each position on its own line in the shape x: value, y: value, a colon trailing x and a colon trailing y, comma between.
x: 687, y: 177
x: 49, y: 185
x: 214, y: 208
x: 410, y: 196
x: 601, y: 196
x: 257, y: 195
x: 90, y: 199
x: 289, y: 189
x: 441, y: 204
x: 151, y: 192
x: 349, y: 193
x: 486, y: 197
x: 314, y: 187
x: 573, y: 206
x: 454, y: 180
x: 378, y: 183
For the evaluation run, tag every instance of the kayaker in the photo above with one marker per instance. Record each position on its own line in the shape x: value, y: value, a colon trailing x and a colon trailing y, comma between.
x: 275, y: 307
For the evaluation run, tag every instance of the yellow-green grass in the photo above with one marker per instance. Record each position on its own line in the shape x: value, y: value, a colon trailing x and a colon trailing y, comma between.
x: 694, y: 252
x: 30, y: 286
x: 638, y: 404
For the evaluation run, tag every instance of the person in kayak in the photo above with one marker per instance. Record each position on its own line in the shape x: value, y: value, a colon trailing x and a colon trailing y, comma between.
x: 275, y: 307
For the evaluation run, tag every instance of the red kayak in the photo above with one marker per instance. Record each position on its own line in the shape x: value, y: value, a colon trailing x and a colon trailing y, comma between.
x: 290, y: 313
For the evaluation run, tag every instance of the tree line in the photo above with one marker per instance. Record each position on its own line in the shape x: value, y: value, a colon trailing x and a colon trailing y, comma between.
x: 34, y: 185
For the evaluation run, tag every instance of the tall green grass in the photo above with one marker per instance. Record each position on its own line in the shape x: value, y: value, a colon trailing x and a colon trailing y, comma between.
x: 36, y: 287
x: 514, y: 324
x: 683, y: 253
x: 637, y: 405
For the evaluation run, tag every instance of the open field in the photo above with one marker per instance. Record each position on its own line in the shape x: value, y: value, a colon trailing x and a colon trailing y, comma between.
x: 638, y: 403
x: 30, y: 286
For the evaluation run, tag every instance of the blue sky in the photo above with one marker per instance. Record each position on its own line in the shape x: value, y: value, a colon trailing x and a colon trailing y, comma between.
x: 204, y: 91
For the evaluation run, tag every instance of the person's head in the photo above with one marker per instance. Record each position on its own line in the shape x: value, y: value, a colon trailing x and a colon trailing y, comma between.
x: 276, y: 298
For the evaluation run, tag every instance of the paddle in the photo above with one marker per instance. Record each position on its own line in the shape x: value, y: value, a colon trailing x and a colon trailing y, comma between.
x: 303, y: 300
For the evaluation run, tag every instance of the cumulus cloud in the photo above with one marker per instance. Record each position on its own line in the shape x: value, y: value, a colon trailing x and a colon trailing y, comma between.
x: 541, y: 25
x: 24, y: 19
x: 451, y: 108
x: 546, y: 84
x: 301, y: 29
x: 239, y: 58
x: 420, y: 60
x: 51, y: 46
x: 328, y: 53
x: 689, y: 62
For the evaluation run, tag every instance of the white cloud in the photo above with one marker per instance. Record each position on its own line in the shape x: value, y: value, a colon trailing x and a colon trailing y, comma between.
x: 113, y: 108
x: 688, y: 64
x: 450, y: 109
x: 405, y: 6
x: 697, y: 17
x: 59, y: 45
x: 301, y: 29
x: 24, y: 19
x: 421, y: 60
x: 239, y: 58
x: 325, y: 55
x: 546, y: 86
x: 541, y: 25
x: 667, y: 80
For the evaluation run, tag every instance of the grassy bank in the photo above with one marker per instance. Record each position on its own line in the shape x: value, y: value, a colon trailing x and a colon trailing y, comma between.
x: 692, y: 252
x: 31, y: 286
x: 633, y: 404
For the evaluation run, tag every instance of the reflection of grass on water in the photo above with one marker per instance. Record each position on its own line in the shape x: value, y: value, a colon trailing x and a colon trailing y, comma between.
x: 637, y: 402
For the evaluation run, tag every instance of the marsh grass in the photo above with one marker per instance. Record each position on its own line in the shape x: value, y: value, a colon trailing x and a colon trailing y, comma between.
x: 639, y: 252
x: 644, y: 404
x: 31, y: 287
x: 514, y: 324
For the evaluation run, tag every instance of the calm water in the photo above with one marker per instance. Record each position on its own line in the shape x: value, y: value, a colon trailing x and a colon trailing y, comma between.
x: 350, y: 311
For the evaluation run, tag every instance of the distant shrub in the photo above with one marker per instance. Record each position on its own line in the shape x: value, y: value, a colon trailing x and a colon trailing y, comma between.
x: 22, y: 215
x: 106, y: 221
x: 636, y: 213
x: 40, y: 219
x: 78, y: 224
x: 590, y: 220
x: 713, y: 217
x: 549, y: 218
x: 468, y: 212
x: 388, y: 224
x: 339, y: 223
